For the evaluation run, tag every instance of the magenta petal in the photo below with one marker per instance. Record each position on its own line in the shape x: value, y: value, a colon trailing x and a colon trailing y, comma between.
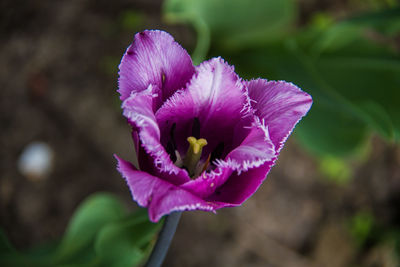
x: 159, y: 196
x: 216, y: 96
x: 206, y: 184
x: 154, y: 58
x: 280, y: 105
x: 240, y: 187
x: 138, y: 110
x: 147, y: 164
x: 254, y: 151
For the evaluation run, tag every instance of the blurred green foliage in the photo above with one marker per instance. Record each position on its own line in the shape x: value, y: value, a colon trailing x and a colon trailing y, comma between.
x: 351, y: 67
x: 230, y: 24
x: 131, y: 19
x: 366, y: 231
x: 100, y: 233
x: 361, y: 227
x: 335, y: 169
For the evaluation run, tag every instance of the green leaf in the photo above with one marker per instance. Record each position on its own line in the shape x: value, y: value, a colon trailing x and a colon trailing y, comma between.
x: 234, y: 23
x: 354, y: 81
x: 37, y: 256
x: 330, y: 127
x: 15, y: 260
x: 378, y: 118
x: 125, y: 242
x: 370, y: 83
x: 5, y: 245
x: 386, y: 21
x: 364, y: 70
x: 8, y: 255
x: 327, y: 131
x: 336, y: 37
x: 91, y: 216
x: 100, y: 233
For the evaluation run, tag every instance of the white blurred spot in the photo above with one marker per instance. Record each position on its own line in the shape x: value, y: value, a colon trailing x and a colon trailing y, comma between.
x: 36, y: 160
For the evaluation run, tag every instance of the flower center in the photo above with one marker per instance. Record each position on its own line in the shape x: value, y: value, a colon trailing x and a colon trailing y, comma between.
x: 193, y: 154
x: 191, y: 161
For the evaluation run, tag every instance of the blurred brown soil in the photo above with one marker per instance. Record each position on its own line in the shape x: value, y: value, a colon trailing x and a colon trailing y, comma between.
x: 58, y: 80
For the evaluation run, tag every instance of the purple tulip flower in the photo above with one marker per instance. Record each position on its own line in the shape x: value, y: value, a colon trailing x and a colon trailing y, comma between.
x: 205, y: 138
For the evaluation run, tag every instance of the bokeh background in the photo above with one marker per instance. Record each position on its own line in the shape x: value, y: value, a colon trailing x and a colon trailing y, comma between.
x: 332, y: 199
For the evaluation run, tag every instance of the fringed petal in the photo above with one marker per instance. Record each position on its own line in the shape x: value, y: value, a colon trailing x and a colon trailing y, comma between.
x: 206, y: 184
x: 216, y: 97
x: 279, y: 105
x: 158, y: 195
x: 154, y: 58
x: 254, y: 151
x: 137, y: 109
x: 240, y: 187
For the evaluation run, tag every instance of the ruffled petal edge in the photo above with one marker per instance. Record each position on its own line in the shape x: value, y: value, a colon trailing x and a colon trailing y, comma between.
x: 159, y: 196
x: 279, y: 105
x: 137, y: 109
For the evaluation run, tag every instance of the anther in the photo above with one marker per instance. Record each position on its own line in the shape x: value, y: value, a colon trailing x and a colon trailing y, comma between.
x: 193, y: 154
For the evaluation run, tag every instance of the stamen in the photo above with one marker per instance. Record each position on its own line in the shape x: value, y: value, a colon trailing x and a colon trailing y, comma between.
x: 205, y: 166
x: 163, y: 78
x: 178, y: 161
x: 193, y: 154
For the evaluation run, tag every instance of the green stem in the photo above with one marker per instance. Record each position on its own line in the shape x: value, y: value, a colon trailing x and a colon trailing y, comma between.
x: 164, y: 240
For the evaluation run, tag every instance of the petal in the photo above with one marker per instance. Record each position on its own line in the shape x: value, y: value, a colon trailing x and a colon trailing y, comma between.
x: 206, y: 184
x: 138, y: 110
x: 215, y: 96
x: 280, y: 105
x: 154, y: 58
x: 159, y: 196
x: 240, y: 187
x: 254, y: 151
x: 147, y: 164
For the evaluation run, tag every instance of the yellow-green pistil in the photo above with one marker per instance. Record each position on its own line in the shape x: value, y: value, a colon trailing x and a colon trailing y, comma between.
x: 193, y: 154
